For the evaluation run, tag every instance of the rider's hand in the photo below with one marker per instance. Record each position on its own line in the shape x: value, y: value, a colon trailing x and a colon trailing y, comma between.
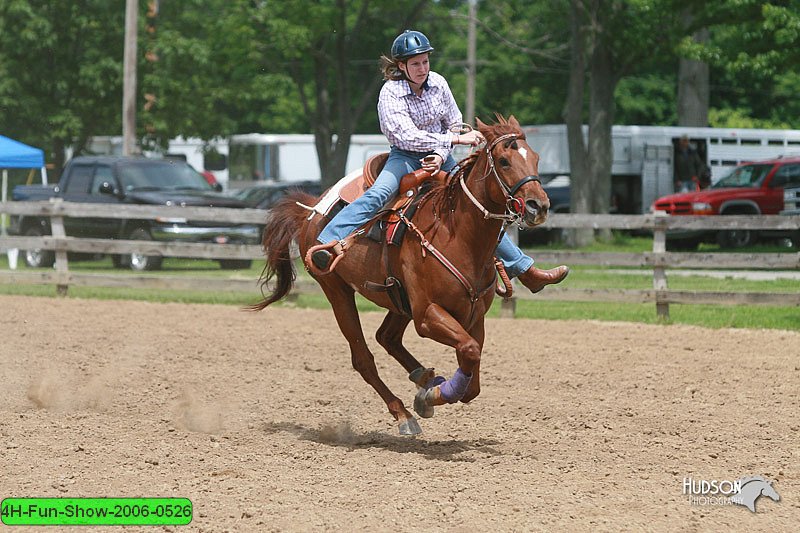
x: 432, y: 163
x: 473, y: 138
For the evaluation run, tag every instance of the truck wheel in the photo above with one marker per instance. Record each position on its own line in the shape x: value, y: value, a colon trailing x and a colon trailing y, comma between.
x: 38, y: 258
x: 235, y: 264
x: 140, y: 262
x: 736, y: 238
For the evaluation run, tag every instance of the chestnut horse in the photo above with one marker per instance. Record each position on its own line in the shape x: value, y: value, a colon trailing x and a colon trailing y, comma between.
x: 445, y: 263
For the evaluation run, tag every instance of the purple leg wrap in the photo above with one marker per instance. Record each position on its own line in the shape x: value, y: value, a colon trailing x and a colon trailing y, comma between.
x: 454, y: 388
x: 438, y: 380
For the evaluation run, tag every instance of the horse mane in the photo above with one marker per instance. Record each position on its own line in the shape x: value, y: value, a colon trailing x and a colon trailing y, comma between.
x: 745, y: 480
x: 443, y: 196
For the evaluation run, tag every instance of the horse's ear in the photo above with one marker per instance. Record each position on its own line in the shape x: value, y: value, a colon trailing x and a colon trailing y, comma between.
x: 479, y: 123
x: 513, y: 121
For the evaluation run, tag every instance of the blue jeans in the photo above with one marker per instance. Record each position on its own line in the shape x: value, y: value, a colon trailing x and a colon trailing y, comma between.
x: 386, y: 186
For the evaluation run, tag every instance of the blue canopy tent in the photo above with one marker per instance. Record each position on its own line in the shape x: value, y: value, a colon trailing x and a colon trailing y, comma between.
x: 14, y: 154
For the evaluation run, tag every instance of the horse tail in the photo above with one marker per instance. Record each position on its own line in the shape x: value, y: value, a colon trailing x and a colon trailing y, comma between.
x: 283, y: 226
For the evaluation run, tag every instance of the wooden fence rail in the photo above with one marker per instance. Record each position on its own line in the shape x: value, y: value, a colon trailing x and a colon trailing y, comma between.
x: 658, y: 259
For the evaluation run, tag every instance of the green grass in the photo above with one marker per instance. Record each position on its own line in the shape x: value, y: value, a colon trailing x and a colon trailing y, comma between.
x: 714, y: 316
x: 585, y: 277
x: 170, y: 267
x: 626, y: 243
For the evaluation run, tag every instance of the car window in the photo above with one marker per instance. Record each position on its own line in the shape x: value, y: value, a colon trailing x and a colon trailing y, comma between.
x: 787, y: 176
x: 102, y: 174
x: 80, y: 178
x: 745, y: 176
x: 158, y: 175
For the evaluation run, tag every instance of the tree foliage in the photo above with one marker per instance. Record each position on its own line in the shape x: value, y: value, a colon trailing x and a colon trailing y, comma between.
x: 330, y: 51
x: 61, y: 66
x: 211, y: 68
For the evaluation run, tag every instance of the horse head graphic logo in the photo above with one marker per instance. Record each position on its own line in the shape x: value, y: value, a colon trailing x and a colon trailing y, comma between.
x: 752, y: 488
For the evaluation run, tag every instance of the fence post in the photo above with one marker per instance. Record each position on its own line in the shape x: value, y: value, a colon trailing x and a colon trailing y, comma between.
x: 508, y: 307
x: 57, y: 231
x: 659, y: 271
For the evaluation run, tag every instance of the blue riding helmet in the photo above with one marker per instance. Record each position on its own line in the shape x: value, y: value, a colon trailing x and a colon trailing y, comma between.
x: 410, y: 43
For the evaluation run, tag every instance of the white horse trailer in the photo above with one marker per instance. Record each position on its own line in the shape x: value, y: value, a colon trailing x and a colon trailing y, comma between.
x: 643, y: 155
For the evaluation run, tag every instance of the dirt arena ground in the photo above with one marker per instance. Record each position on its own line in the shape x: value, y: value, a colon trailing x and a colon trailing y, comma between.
x: 260, y: 421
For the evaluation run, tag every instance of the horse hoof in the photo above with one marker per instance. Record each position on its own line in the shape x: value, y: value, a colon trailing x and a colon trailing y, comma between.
x: 410, y: 427
x: 421, y: 376
x: 421, y: 405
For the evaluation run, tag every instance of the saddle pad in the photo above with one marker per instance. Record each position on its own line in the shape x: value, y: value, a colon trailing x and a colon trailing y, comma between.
x: 330, y: 198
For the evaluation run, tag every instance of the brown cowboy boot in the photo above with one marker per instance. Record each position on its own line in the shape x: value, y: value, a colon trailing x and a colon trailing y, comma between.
x: 536, y: 279
x: 321, y: 259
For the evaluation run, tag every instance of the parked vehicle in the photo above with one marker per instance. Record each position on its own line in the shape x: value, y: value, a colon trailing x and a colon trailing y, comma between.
x: 751, y: 189
x: 791, y: 206
x: 558, y: 189
x: 126, y: 181
x: 264, y: 196
x: 205, y: 155
x: 791, y: 201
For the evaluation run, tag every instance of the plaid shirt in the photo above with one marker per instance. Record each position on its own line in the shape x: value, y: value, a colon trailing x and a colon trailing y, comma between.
x: 419, y: 123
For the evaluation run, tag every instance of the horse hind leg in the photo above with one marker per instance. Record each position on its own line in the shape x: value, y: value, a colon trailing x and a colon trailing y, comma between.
x: 390, y: 336
x: 343, y: 302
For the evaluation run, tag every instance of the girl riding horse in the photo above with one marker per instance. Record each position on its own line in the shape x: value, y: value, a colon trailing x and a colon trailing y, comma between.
x: 445, y: 265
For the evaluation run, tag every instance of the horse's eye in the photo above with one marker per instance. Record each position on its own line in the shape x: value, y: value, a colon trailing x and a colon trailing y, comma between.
x: 504, y: 162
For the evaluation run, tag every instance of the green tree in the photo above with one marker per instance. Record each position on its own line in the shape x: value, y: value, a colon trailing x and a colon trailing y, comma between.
x: 62, y: 66
x: 753, y: 54
x: 203, y: 76
x: 522, y: 58
x: 330, y: 50
x: 610, y: 39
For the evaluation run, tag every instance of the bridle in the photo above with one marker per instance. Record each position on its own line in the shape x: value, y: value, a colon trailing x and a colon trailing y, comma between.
x: 515, y: 207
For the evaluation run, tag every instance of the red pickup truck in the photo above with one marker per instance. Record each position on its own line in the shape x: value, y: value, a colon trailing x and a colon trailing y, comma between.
x: 752, y: 188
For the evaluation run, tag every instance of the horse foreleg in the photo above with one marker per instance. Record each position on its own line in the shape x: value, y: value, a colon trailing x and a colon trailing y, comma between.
x: 479, y: 334
x: 343, y: 302
x: 439, y: 325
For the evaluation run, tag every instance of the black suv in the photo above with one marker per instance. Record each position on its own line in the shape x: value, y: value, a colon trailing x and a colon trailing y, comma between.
x: 134, y: 180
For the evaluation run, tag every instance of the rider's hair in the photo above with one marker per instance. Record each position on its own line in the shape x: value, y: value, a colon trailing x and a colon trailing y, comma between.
x: 391, y: 70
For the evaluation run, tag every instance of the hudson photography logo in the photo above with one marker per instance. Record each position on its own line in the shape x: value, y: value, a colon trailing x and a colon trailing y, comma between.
x: 743, y: 491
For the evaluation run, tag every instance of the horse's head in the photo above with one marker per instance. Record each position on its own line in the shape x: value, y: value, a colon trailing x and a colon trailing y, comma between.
x: 768, y: 490
x: 516, y: 166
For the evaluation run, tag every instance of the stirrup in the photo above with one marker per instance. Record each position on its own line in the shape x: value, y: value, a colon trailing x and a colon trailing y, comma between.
x: 334, y: 249
x: 506, y: 290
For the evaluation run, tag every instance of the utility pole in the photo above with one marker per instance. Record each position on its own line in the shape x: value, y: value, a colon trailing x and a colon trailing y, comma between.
x: 471, y: 60
x: 129, y: 79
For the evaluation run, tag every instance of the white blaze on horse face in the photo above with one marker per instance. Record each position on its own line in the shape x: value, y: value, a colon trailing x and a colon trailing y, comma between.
x: 523, y: 152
